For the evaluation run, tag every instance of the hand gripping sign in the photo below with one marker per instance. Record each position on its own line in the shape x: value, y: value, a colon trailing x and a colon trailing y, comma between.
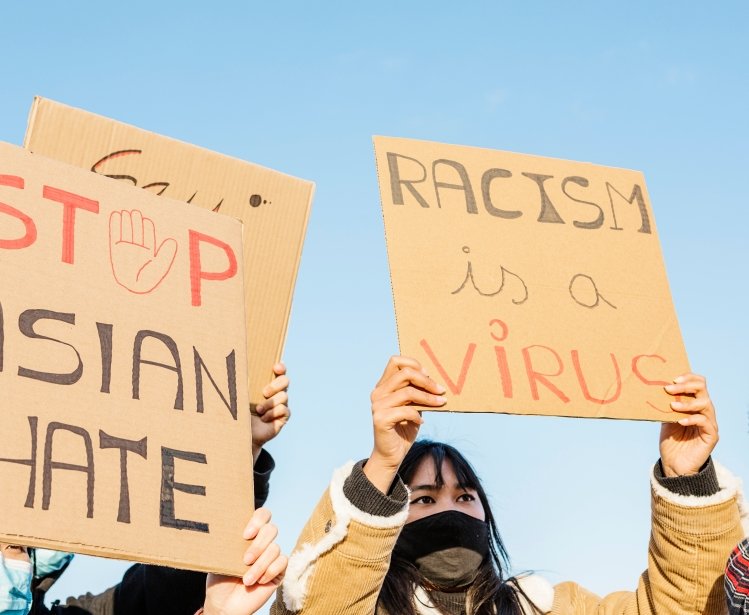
x: 122, y: 370
x: 529, y: 285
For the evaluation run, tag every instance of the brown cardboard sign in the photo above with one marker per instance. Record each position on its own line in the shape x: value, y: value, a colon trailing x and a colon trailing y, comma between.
x: 122, y: 371
x: 274, y: 207
x: 529, y: 285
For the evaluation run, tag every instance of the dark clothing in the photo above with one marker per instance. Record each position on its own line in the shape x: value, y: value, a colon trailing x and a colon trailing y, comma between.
x: 146, y: 589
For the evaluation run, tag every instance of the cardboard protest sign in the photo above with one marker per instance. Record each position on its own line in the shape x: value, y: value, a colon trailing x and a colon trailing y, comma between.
x: 122, y: 371
x: 274, y: 207
x: 529, y: 285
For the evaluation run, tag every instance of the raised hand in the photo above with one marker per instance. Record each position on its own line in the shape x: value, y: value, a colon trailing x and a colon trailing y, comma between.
x: 138, y: 263
x: 686, y: 445
x: 271, y: 415
x: 234, y: 596
x: 394, y: 419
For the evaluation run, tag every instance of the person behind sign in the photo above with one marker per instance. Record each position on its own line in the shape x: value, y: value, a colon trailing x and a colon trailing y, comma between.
x: 146, y: 589
x: 409, y: 530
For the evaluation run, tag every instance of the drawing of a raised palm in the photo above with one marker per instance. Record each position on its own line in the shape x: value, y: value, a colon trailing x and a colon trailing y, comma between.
x: 139, y: 264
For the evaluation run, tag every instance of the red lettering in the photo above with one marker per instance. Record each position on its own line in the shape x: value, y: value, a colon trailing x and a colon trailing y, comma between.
x: 534, y: 377
x: 454, y: 388
x: 13, y: 181
x: 584, y: 384
x: 505, y: 330
x: 504, y: 371
x: 636, y: 369
x: 70, y: 203
x: 196, y: 272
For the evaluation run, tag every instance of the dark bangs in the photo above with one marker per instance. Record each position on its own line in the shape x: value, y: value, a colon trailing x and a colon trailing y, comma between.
x: 438, y: 452
x: 467, y: 479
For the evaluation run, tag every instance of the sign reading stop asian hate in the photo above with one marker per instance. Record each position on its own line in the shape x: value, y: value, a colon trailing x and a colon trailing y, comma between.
x: 123, y: 370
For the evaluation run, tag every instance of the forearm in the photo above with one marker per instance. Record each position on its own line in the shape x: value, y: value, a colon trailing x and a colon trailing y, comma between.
x: 343, y: 553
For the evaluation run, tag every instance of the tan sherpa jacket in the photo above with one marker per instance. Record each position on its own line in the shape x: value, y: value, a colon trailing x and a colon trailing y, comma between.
x: 343, y: 554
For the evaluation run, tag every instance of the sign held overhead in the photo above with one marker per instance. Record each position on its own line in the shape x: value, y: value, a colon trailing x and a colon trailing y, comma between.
x: 122, y: 370
x: 529, y: 285
x: 273, y: 206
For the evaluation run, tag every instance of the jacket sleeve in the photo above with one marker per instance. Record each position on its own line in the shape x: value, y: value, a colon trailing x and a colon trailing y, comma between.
x: 690, y: 540
x: 343, y: 553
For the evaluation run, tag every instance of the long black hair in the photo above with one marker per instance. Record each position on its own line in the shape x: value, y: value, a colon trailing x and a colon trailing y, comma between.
x: 491, y: 592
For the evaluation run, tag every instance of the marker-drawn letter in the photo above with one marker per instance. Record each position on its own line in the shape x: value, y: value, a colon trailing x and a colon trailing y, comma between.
x: 105, y: 347
x: 581, y: 181
x: 584, y: 385
x: 167, y: 515
x: 635, y: 196
x: 196, y: 272
x: 231, y: 377
x: 139, y: 447
x: 548, y: 212
x: 397, y: 183
x: 486, y: 186
x: 96, y: 168
x: 535, y: 377
x: 26, y: 322
x: 50, y: 465
x: 464, y: 185
x: 137, y: 361
x: 29, y: 237
x: 31, y: 462
x: 70, y: 203
x: 455, y: 388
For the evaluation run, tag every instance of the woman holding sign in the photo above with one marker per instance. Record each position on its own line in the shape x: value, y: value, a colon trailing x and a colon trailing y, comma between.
x: 409, y: 530
x: 147, y: 589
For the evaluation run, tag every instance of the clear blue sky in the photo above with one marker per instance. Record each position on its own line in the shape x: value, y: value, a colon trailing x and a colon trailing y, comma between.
x: 301, y: 87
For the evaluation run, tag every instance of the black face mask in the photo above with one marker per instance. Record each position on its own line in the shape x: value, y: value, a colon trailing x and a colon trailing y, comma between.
x: 447, y: 548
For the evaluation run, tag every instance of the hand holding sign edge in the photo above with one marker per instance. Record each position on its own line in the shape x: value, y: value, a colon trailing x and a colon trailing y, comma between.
x: 395, y: 421
x: 686, y: 445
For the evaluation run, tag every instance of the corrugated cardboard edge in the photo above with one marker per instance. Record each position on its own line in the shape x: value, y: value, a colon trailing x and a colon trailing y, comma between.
x: 121, y: 555
x: 31, y: 120
x: 290, y: 303
x: 40, y: 100
x: 385, y: 232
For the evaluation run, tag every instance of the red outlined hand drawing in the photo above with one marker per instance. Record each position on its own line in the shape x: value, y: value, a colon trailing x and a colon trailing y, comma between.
x: 138, y: 264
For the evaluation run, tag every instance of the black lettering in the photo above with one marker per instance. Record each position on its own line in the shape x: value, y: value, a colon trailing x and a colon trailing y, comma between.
x: 26, y: 322
x: 636, y: 195
x: 139, y: 447
x: 31, y: 462
x: 161, y: 185
x: 486, y: 183
x: 548, y: 211
x: 231, y: 376
x: 50, y: 465
x: 112, y: 156
x: 581, y: 181
x: 464, y: 185
x: 396, y: 183
x: 169, y: 486
x: 177, y: 367
x: 105, y: 345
